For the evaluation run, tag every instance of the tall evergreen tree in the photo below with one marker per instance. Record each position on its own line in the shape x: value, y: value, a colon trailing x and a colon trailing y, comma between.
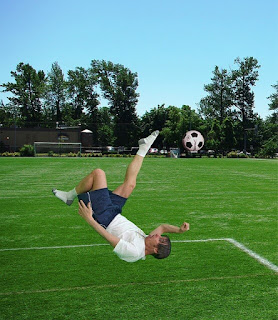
x: 83, y: 98
x: 244, y: 78
x: 217, y: 104
x: 55, y: 97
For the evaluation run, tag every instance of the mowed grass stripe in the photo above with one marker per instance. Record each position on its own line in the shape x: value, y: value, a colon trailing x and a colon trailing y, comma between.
x: 150, y: 283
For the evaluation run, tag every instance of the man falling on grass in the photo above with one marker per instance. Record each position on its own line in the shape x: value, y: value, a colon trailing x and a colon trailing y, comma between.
x: 102, y: 209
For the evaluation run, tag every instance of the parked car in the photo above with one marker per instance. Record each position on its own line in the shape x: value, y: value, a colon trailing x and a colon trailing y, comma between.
x: 153, y: 150
x: 110, y: 149
x: 241, y: 152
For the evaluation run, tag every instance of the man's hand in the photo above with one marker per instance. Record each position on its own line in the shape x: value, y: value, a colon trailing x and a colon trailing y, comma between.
x: 184, y: 227
x: 167, y: 228
x: 85, y: 211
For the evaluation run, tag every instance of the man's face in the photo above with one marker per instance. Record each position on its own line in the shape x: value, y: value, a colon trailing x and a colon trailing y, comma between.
x: 155, y: 240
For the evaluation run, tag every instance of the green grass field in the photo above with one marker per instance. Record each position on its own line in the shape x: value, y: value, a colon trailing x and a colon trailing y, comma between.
x: 220, y: 198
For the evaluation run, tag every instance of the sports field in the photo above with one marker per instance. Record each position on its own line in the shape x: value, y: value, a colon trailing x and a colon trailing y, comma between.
x: 54, y: 266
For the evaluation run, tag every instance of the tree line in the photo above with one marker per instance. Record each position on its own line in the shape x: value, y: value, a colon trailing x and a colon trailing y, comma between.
x: 225, y: 116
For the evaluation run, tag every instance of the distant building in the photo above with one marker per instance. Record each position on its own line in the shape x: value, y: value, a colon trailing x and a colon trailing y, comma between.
x: 12, y: 139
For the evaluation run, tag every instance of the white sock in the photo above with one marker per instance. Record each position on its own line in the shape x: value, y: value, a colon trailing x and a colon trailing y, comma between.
x: 66, y: 197
x: 145, y: 144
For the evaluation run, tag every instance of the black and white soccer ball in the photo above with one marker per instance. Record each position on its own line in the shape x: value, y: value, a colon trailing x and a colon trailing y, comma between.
x: 193, y: 140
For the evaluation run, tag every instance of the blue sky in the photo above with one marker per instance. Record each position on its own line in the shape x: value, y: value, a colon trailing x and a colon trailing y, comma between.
x: 172, y: 45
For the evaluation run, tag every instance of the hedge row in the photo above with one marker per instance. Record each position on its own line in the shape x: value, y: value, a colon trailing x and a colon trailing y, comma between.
x: 28, y: 151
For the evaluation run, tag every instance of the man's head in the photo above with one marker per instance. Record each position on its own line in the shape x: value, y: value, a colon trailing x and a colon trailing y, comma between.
x: 158, y: 246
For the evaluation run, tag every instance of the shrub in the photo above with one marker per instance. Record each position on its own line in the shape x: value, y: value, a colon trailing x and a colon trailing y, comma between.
x: 27, y: 151
x: 242, y: 155
x: 232, y: 154
x: 269, y: 149
x: 10, y: 154
x: 71, y: 154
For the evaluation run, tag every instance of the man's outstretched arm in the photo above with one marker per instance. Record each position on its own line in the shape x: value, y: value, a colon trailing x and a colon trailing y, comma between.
x: 167, y: 228
x: 86, y: 213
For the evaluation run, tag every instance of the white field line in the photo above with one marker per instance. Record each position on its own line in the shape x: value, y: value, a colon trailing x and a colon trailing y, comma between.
x: 237, y: 244
x: 240, y: 246
x: 56, y: 247
x: 254, y: 255
x: 200, y: 240
x: 96, y: 245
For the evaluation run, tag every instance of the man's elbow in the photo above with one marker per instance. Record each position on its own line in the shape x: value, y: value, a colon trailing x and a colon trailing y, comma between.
x: 114, y: 242
x: 163, y: 228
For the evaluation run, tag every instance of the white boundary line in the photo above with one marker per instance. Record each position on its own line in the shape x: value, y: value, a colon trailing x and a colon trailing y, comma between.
x: 56, y: 247
x: 240, y: 246
x: 96, y: 245
x: 254, y: 255
x: 237, y: 244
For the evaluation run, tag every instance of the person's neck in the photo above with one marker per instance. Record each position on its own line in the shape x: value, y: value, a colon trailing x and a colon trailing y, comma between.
x: 148, y: 249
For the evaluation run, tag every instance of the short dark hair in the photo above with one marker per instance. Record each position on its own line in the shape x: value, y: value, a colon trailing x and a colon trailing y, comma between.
x: 163, y: 249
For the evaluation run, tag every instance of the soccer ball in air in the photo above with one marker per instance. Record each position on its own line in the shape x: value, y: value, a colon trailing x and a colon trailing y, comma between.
x: 193, y: 140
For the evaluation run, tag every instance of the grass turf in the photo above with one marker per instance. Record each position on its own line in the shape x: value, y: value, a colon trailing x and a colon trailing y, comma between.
x: 221, y: 198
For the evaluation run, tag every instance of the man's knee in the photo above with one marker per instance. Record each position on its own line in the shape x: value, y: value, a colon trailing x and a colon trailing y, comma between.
x: 130, y: 185
x: 99, y: 179
x: 98, y: 173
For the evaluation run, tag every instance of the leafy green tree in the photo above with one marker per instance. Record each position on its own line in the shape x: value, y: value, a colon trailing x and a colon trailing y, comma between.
x: 55, y: 97
x: 244, y: 78
x: 83, y: 99
x: 269, y: 131
x: 228, y: 90
x: 81, y: 88
x: 118, y: 85
x: 269, y: 149
x: 221, y: 136
x: 228, y: 140
x: 171, y: 132
x: 8, y: 115
x: 28, y: 91
x: 191, y: 120
x: 106, y: 130
x: 274, y: 98
x: 214, y: 137
x: 273, y: 105
x: 217, y: 104
x: 179, y: 121
x: 155, y: 119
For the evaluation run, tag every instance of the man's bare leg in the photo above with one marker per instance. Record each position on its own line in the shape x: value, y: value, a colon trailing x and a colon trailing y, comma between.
x: 125, y: 189
x: 93, y: 181
x: 133, y: 169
